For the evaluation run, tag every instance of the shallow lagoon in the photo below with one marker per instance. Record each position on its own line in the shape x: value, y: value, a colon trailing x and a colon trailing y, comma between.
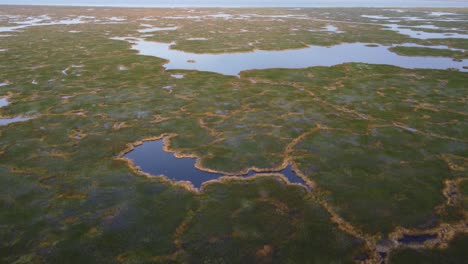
x: 417, y: 34
x: 6, y: 121
x: 234, y: 63
x: 39, y: 22
x: 151, y: 158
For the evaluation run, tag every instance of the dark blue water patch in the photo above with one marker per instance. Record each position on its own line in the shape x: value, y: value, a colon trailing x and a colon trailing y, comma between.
x: 416, y: 239
x: 288, y: 172
x: 151, y: 158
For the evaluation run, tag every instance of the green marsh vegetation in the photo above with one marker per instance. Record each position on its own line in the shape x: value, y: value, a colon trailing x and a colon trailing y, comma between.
x: 380, y: 144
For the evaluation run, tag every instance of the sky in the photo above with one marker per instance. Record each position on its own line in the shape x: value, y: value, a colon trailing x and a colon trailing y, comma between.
x: 239, y: 3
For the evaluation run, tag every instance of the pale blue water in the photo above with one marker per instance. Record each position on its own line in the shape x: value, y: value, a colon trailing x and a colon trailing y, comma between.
x: 6, y: 121
x: 234, y: 63
x: 3, y: 102
x: 239, y: 3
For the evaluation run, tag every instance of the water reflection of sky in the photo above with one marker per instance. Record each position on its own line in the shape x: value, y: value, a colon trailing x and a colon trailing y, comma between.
x: 234, y: 63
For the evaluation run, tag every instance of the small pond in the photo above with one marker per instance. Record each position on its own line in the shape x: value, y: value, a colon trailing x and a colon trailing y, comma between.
x: 151, y: 158
x: 416, y: 239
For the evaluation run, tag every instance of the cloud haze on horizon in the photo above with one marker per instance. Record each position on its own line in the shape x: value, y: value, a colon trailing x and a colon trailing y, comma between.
x: 226, y: 3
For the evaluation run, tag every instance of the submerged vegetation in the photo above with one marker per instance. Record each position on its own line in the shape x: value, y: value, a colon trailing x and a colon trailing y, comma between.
x: 383, y: 149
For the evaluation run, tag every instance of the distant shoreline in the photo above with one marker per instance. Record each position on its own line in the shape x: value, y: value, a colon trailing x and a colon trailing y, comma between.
x: 243, y: 4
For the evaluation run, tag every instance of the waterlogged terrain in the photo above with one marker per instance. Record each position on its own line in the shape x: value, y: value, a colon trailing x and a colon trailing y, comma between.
x: 233, y: 135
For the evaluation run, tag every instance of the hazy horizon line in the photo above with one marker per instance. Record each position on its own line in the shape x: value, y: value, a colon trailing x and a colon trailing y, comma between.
x: 230, y: 6
x: 245, y: 3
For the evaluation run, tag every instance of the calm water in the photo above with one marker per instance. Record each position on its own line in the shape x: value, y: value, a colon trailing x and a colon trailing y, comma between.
x: 40, y: 22
x: 418, y: 34
x: 152, y: 159
x: 418, y: 239
x: 234, y: 63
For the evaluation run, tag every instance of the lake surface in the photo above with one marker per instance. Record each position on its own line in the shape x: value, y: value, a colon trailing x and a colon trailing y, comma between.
x: 417, y: 239
x: 40, y: 22
x: 234, y: 63
x: 418, y: 34
x: 152, y: 159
